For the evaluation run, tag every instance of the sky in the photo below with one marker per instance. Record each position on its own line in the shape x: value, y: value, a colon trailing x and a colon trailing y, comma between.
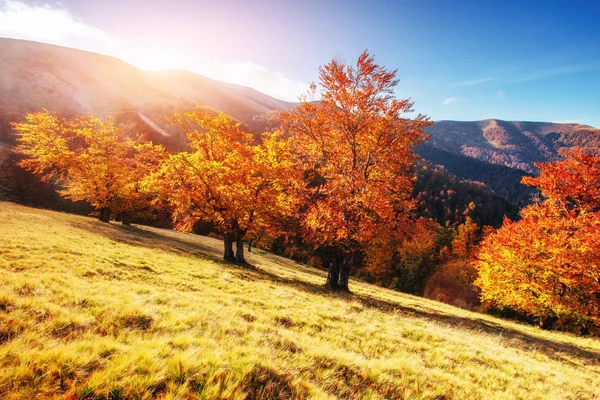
x: 460, y: 60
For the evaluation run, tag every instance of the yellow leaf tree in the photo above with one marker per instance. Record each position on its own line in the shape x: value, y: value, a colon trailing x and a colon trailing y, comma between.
x: 547, y: 264
x: 90, y: 159
x: 226, y: 180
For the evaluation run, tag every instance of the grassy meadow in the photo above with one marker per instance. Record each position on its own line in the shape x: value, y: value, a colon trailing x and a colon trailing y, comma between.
x: 103, y: 311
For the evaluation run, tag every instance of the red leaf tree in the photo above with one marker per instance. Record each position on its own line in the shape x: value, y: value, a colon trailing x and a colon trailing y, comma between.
x: 356, y: 147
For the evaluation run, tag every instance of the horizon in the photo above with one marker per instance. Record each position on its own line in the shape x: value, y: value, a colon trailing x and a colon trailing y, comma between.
x: 538, y: 70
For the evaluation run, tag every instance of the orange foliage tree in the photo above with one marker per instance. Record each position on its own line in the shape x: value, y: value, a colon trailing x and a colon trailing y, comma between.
x: 572, y: 185
x: 453, y: 280
x: 403, y: 259
x: 547, y: 264
x: 238, y: 187
x: 90, y: 159
x: 356, y: 147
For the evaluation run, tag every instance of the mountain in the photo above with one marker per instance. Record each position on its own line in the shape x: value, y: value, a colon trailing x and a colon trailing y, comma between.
x: 503, y: 180
x: 68, y: 81
x: 514, y: 144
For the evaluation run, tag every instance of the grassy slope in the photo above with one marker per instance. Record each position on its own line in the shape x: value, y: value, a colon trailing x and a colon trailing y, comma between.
x: 89, y: 309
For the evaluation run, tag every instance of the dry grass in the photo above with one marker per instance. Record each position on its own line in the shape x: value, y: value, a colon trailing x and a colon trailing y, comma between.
x: 90, y: 310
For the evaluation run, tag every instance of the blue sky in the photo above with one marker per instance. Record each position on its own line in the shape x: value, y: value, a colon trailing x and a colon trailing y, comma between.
x: 462, y: 60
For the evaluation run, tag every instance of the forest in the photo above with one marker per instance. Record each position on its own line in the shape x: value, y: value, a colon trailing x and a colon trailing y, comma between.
x: 338, y: 184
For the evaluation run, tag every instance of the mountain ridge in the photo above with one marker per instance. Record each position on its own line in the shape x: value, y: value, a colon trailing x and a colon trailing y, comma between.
x: 35, y: 75
x: 515, y: 144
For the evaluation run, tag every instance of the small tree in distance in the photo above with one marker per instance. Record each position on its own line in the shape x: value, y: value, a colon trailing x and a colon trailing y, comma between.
x: 90, y: 159
x: 356, y: 147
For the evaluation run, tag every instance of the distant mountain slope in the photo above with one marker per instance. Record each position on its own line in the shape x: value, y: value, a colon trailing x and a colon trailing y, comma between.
x: 505, y: 181
x: 511, y: 143
x: 67, y: 81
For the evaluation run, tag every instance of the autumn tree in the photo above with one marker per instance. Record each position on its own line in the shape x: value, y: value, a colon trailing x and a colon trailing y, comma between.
x: 403, y: 259
x: 465, y: 239
x: 224, y: 179
x: 355, y: 145
x: 453, y: 280
x: 547, y: 264
x: 573, y: 184
x: 90, y: 159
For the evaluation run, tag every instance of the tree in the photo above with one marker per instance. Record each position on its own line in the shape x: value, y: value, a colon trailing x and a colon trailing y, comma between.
x: 89, y: 158
x: 453, y: 280
x: 465, y: 239
x: 356, y: 147
x: 238, y: 187
x: 572, y: 184
x: 547, y: 264
x: 403, y: 259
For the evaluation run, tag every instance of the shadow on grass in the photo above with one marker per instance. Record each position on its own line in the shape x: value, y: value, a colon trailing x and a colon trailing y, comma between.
x: 560, y: 351
x: 143, y: 237
x: 134, y: 236
x: 557, y: 350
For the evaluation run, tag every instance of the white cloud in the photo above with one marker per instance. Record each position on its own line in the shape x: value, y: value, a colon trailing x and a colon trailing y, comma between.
x: 500, y: 94
x: 44, y: 23
x: 549, y: 73
x: 568, y: 121
x: 56, y: 25
x: 451, y: 100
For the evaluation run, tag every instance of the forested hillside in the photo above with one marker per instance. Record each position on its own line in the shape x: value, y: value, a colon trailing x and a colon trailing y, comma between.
x: 504, y: 181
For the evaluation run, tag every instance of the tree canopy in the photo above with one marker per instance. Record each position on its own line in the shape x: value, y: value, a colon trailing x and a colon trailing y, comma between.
x: 547, y: 264
x: 89, y: 158
x: 224, y: 179
x: 355, y: 145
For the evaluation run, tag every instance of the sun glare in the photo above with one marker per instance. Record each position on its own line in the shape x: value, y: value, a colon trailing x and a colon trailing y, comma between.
x: 157, y: 59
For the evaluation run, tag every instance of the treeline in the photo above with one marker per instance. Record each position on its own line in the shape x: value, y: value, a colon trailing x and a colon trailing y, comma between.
x: 503, y: 180
x: 444, y: 198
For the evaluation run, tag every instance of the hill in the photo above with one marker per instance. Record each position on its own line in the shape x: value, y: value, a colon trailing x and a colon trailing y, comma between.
x: 92, y: 310
x: 68, y: 81
x: 504, y: 181
x: 514, y: 144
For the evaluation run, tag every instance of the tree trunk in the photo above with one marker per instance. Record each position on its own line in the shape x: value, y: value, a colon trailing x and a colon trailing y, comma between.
x: 345, y: 270
x: 339, y: 272
x: 547, y: 323
x: 239, y: 251
x: 125, y: 219
x: 104, y: 214
x: 333, y: 275
x: 250, y: 246
x: 228, y: 249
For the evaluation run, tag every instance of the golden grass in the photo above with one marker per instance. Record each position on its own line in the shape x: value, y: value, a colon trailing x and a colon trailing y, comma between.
x: 91, y: 310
